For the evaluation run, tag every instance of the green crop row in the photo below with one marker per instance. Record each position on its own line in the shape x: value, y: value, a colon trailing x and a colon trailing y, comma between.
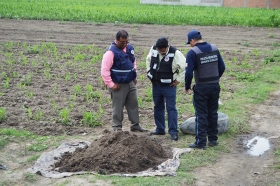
x: 131, y: 11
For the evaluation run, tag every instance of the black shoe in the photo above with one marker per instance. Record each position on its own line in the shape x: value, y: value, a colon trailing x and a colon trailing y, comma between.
x: 195, y: 146
x: 174, y: 137
x: 157, y: 133
x: 213, y: 143
x: 138, y: 128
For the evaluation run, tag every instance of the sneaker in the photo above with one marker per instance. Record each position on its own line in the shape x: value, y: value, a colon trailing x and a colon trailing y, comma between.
x: 212, y: 143
x: 195, y: 146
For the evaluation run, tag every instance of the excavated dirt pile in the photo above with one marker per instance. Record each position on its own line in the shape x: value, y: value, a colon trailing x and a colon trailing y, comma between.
x: 116, y: 152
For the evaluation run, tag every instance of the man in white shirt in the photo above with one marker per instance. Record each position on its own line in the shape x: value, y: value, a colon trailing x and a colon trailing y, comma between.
x: 166, y: 69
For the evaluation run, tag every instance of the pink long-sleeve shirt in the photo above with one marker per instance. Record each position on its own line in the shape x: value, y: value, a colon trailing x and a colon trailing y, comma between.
x: 107, y: 63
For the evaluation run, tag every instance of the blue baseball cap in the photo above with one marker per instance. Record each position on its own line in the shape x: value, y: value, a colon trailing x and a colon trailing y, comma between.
x: 192, y: 35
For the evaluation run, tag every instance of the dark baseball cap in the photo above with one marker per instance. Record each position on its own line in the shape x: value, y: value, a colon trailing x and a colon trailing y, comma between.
x: 192, y: 35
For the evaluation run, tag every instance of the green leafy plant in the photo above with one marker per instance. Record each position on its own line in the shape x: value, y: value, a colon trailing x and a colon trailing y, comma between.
x: 271, y: 35
x: 33, y: 63
x: 55, y: 88
x: 245, y: 43
x: 15, y: 74
x: 30, y: 94
x: 2, y: 114
x: 77, y: 90
x: 10, y: 62
x: 55, y: 107
x: 8, y: 46
x: 38, y: 115
x: 7, y: 82
x: 27, y: 79
x: 47, y: 73
x: 149, y: 95
x: 140, y: 102
x: 37, y: 147
x: 33, y: 49
x: 64, y: 116
x: 91, y: 119
x: 90, y: 94
x: 67, y: 76
x: 29, y: 113
x: 24, y: 60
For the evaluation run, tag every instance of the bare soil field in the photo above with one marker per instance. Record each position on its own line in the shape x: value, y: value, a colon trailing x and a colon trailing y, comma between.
x: 234, y: 168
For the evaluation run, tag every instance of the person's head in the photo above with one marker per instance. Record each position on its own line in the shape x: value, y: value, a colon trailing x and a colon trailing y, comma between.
x: 122, y: 39
x: 162, y: 45
x: 193, y: 37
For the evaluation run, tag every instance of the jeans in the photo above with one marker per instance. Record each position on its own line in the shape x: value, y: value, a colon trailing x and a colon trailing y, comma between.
x: 165, y: 95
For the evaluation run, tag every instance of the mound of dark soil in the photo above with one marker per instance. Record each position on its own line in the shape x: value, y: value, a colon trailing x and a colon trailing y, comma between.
x: 117, y: 152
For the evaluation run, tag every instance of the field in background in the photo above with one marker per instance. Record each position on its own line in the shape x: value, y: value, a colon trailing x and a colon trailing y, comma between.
x: 131, y: 11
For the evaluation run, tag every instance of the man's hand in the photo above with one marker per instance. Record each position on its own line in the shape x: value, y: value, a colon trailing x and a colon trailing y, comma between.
x: 189, y: 91
x: 135, y: 81
x: 116, y: 87
x: 174, y: 83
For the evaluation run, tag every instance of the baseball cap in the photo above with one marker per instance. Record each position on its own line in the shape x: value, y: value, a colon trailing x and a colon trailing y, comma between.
x: 192, y: 35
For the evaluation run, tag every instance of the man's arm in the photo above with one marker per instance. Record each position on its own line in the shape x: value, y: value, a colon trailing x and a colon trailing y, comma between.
x: 180, y: 64
x: 148, y: 60
x: 221, y: 65
x: 190, y: 60
x: 106, y: 65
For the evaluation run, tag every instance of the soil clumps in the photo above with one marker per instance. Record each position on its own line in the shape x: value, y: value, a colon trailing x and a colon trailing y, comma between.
x: 115, y: 152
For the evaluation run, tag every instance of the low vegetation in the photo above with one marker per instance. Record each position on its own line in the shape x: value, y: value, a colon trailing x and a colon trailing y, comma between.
x: 131, y: 11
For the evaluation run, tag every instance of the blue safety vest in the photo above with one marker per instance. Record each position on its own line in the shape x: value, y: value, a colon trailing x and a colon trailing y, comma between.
x: 123, y: 70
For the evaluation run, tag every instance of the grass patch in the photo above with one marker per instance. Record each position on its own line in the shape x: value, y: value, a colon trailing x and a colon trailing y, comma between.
x: 32, y: 158
x: 3, y: 143
x: 277, y: 157
x: 30, y: 177
x: 14, y: 132
x: 38, y: 143
x: 2, y: 114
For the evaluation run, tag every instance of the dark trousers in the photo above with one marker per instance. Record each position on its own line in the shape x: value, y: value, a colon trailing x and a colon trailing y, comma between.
x: 205, y: 101
x: 165, y: 95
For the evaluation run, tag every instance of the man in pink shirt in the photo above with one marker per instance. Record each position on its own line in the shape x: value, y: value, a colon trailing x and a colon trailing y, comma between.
x: 118, y: 71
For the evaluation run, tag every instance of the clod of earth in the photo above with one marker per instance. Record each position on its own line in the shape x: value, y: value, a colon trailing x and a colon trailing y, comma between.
x: 116, y: 152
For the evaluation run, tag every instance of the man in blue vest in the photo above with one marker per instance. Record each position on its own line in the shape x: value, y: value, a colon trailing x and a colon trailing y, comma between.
x: 206, y: 62
x: 118, y: 71
x: 166, y: 69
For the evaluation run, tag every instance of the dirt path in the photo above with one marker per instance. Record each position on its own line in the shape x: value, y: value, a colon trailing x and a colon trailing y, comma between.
x: 240, y: 168
x: 235, y: 168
